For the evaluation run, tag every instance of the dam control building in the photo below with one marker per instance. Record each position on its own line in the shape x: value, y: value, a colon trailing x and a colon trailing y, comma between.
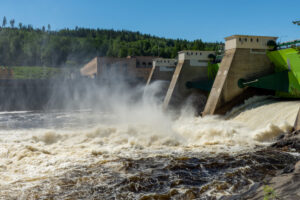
x: 137, y: 67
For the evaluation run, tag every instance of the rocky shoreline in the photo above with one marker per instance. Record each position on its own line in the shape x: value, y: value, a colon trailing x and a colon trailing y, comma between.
x: 286, y: 183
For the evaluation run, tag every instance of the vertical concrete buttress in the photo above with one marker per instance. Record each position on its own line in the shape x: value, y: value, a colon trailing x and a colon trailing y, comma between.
x: 215, y: 93
x: 91, y: 68
x: 191, y: 66
x: 150, y: 75
x: 173, y: 84
x: 98, y: 65
x: 297, y: 122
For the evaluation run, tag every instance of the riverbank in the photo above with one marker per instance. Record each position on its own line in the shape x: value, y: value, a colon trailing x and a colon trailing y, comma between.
x: 286, y: 183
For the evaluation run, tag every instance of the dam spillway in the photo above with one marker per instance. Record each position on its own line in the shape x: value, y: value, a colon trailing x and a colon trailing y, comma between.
x: 249, y: 67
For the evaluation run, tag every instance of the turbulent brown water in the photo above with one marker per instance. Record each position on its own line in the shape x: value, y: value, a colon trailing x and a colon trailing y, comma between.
x: 142, y: 153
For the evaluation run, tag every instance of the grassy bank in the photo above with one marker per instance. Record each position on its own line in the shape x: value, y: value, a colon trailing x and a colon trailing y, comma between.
x: 34, y: 72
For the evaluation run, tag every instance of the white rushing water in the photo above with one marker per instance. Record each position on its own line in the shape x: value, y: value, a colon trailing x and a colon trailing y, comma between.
x: 32, y: 154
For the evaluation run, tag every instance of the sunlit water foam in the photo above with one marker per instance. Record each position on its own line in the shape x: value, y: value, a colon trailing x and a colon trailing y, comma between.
x: 29, y: 156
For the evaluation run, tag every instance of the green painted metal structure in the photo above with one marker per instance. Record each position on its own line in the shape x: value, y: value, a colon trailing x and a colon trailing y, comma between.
x: 278, y: 81
x: 290, y: 43
x: 286, y: 78
x: 288, y: 60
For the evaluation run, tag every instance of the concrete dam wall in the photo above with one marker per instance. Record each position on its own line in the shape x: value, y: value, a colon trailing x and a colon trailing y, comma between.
x: 245, y: 57
x: 41, y: 94
x: 236, y: 64
x: 191, y: 66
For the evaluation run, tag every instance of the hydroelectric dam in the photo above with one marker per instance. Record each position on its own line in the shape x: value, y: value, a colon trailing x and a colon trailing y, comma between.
x: 250, y: 66
x: 113, y: 138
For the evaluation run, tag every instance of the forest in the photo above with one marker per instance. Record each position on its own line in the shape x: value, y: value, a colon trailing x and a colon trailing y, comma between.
x: 23, y: 45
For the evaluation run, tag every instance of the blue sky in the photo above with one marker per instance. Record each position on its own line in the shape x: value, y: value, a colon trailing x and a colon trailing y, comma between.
x: 191, y: 19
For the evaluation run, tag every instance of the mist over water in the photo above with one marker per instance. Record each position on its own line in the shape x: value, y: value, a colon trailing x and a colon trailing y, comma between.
x: 110, y: 140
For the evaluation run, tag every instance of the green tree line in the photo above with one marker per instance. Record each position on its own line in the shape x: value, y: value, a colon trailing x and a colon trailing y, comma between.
x: 297, y: 23
x: 25, y: 45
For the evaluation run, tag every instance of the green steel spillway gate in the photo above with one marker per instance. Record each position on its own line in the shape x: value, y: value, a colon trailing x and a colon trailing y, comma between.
x: 286, y: 78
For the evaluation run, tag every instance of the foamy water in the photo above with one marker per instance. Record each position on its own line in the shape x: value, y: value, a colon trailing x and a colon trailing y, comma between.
x: 47, y: 145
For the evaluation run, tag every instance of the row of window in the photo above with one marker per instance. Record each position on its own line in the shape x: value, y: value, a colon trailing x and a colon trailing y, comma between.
x: 192, y: 53
x: 138, y: 64
x: 251, y: 39
x: 164, y: 61
x: 117, y: 65
x: 141, y: 66
x: 143, y: 63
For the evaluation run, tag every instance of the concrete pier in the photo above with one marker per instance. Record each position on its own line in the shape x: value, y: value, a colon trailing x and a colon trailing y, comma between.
x: 173, y: 84
x: 297, y: 122
x: 191, y: 66
x: 245, y: 57
x: 91, y: 69
x: 162, y: 69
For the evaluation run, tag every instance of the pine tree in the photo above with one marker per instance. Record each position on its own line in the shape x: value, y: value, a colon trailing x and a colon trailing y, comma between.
x: 4, y: 22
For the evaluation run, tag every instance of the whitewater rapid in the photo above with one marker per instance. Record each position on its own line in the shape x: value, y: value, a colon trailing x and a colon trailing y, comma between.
x: 35, y: 147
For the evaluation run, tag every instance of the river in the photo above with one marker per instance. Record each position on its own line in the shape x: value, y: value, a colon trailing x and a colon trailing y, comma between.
x: 140, y: 152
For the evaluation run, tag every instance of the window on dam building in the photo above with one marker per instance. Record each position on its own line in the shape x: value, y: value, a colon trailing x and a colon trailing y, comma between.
x: 247, y: 41
x: 144, y: 65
